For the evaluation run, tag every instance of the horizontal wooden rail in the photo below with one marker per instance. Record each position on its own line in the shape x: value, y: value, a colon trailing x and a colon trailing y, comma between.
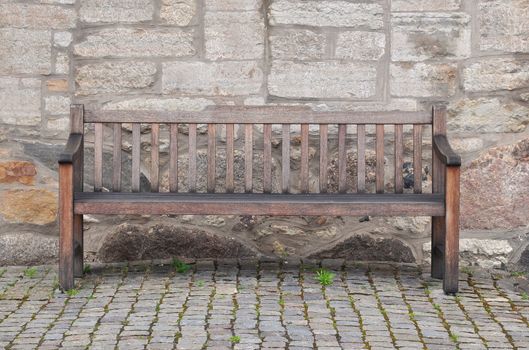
x: 257, y: 115
x: 259, y: 204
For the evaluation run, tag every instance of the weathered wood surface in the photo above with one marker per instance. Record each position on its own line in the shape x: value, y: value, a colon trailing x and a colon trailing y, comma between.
x: 259, y: 204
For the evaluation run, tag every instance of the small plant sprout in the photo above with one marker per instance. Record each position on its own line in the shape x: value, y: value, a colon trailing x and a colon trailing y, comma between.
x: 325, y: 277
x: 180, y: 266
x: 87, y: 269
x: 200, y: 283
x: 72, y: 292
x: 2, y: 271
x: 30, y: 272
x: 525, y: 296
x: 518, y: 273
x: 467, y: 270
x: 235, y: 339
x: 454, y: 337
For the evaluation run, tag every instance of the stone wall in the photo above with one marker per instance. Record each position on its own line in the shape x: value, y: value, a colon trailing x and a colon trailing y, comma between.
x: 330, y: 55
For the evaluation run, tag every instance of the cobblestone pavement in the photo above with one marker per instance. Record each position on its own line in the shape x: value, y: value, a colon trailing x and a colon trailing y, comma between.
x: 258, y: 305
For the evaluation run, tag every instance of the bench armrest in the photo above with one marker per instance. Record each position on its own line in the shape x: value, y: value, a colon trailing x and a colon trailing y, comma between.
x: 72, y: 149
x: 445, y: 153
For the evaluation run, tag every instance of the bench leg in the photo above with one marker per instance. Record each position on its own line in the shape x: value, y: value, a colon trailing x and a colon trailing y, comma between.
x: 451, y: 261
x: 66, y: 227
x: 78, y: 245
x: 438, y: 241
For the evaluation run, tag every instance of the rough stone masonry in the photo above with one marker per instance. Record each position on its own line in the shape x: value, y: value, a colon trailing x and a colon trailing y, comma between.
x: 327, y: 54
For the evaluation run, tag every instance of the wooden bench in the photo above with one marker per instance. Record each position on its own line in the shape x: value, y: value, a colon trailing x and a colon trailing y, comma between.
x: 442, y: 204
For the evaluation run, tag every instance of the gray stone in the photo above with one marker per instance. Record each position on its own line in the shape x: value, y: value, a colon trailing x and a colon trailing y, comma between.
x: 169, y: 104
x: 234, y: 35
x: 35, y: 16
x: 421, y: 36
x: 57, y: 104
x: 28, y: 249
x: 100, y: 78
x: 25, y: 51
x: 423, y: 79
x: 233, y: 5
x: 327, y: 13
x: 421, y: 5
x: 178, y: 12
x: 366, y: 248
x: 62, y: 39
x: 216, y: 78
x: 129, y: 242
x: 139, y: 42
x: 485, y: 115
x: 62, y: 63
x: 362, y: 46
x: 504, y: 25
x: 322, y: 79
x: 496, y: 74
x: 485, y: 253
x: 115, y: 11
x: 297, y: 44
x: 20, y: 101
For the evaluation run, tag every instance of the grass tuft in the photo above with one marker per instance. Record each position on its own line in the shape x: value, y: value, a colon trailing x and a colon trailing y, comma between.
x: 235, y: 339
x: 325, y: 277
x: 72, y: 292
x: 180, y: 266
x: 30, y: 272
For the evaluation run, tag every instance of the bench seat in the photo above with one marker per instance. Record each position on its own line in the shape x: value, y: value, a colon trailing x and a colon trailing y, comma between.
x: 389, y: 204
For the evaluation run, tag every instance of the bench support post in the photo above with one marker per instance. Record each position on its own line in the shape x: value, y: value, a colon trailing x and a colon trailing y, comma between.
x: 451, y: 244
x: 66, y: 227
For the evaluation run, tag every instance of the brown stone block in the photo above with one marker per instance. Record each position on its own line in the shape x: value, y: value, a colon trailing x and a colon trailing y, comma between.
x: 17, y: 171
x: 35, y: 206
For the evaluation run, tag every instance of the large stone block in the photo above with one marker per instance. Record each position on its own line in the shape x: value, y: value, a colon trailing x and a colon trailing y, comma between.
x: 114, y: 77
x: 216, y: 78
x: 297, y: 44
x: 20, y: 101
x: 112, y: 11
x: 128, y: 42
x: 504, y: 25
x: 24, y: 15
x: 496, y: 74
x: 495, y: 190
x: 234, y: 35
x: 22, y: 172
x: 25, y: 51
x: 57, y: 105
x: 423, y: 79
x: 178, y: 12
x: 233, y: 5
x: 159, y: 104
x: 35, y: 206
x: 363, y: 46
x: 421, y: 36
x: 421, y: 5
x: 486, y: 115
x: 322, y: 80
x: 327, y: 13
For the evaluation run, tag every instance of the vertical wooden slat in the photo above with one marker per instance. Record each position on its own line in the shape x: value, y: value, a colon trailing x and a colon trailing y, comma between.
x: 285, y: 159
x: 192, y: 173
x: 267, y: 158
x: 248, y: 157
x: 451, y: 258
x: 116, y: 159
x: 229, y: 158
x: 342, y: 159
x: 304, y: 158
x: 438, y: 186
x: 98, y: 157
x: 136, y: 153
x: 212, y: 155
x: 173, y: 158
x: 155, y: 157
x: 361, y: 158
x: 380, y: 158
x: 323, y: 157
x: 399, y: 148
x: 417, y: 158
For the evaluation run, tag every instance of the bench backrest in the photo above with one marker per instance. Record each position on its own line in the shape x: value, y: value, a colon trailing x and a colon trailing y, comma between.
x: 287, y: 121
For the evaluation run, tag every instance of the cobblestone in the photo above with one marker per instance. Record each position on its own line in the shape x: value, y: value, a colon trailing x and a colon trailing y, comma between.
x: 250, y: 304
